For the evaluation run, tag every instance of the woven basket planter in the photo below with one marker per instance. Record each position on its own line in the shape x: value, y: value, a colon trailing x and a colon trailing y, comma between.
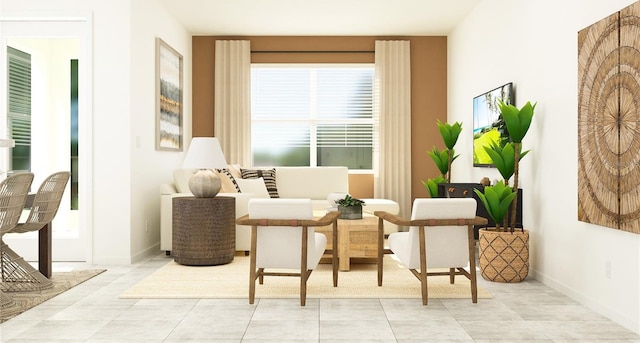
x: 504, y: 256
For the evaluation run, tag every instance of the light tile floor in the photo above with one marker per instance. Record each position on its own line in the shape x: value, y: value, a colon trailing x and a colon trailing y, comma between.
x: 92, y: 312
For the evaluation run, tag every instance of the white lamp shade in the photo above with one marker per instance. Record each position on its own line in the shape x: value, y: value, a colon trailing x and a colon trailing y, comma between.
x: 204, y: 153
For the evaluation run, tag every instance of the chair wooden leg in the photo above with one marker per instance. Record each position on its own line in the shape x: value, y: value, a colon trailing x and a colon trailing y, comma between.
x: 380, y: 249
x: 423, y: 266
x: 303, y: 287
x: 334, y: 254
x: 452, y: 275
x: 472, y: 265
x: 252, y: 265
x: 261, y: 276
x: 303, y: 266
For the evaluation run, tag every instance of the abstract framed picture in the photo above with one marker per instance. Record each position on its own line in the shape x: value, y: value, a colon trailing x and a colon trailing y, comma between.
x: 169, y: 101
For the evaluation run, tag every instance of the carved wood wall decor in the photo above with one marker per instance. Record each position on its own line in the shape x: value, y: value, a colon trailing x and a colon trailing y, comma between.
x: 609, y: 121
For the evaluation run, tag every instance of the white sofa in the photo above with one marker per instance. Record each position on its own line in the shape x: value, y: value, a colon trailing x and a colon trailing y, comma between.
x: 315, y: 183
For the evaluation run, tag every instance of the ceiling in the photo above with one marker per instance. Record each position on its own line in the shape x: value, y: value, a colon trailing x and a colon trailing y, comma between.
x: 319, y: 17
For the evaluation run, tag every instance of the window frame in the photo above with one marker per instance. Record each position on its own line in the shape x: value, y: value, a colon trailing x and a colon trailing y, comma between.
x: 314, y: 121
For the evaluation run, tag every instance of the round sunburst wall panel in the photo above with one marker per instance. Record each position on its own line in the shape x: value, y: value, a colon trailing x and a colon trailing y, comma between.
x: 629, y: 114
x: 609, y: 121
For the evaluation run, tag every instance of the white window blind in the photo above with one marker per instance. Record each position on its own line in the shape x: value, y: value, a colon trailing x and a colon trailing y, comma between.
x: 312, y: 115
x: 19, y: 107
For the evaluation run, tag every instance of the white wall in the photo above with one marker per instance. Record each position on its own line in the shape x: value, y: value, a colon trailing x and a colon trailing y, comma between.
x: 127, y: 171
x: 150, y: 168
x: 534, y: 44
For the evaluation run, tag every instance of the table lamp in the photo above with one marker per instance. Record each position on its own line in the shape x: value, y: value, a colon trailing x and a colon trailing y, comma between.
x: 205, y: 154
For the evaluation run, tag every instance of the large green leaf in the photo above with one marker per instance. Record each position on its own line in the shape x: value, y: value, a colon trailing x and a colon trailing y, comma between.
x: 449, y: 133
x: 503, y: 158
x: 497, y: 200
x: 517, y: 120
x: 441, y: 159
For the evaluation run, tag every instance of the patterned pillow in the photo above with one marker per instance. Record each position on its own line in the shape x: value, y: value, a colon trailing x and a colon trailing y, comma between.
x: 228, y: 182
x: 269, y: 176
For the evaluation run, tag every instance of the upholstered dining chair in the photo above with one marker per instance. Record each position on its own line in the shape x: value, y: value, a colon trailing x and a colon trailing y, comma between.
x: 283, y: 237
x: 13, y: 195
x: 44, y: 207
x: 440, y: 236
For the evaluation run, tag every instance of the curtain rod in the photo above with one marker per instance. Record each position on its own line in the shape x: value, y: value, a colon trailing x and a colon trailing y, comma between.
x: 312, y: 52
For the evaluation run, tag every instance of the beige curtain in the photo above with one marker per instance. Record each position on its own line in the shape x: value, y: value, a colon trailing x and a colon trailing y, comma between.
x: 232, y: 122
x: 392, y: 108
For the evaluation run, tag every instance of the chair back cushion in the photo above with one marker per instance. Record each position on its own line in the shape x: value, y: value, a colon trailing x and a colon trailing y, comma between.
x: 281, y: 246
x: 446, y: 246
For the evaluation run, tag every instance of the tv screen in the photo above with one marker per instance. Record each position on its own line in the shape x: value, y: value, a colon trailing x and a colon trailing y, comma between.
x: 488, y: 126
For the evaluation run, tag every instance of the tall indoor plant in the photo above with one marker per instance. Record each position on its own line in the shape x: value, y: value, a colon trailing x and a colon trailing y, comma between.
x: 443, y: 159
x: 504, y: 252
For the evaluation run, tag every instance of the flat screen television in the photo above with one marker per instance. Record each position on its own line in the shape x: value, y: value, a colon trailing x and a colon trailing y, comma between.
x: 488, y: 126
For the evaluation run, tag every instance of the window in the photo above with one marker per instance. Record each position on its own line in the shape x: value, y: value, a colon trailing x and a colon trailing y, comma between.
x: 312, y: 115
x: 19, y: 101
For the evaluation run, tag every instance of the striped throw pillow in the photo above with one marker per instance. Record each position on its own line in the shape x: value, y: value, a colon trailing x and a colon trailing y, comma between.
x: 269, y: 176
x: 229, y: 180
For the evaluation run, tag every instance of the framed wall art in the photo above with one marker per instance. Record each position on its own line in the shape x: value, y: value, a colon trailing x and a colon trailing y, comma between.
x: 169, y: 100
x: 608, y: 117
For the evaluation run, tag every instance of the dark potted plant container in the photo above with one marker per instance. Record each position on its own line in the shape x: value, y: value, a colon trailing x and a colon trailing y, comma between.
x: 350, y: 207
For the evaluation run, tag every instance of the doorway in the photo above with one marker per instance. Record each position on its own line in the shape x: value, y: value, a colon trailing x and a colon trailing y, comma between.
x: 59, y: 127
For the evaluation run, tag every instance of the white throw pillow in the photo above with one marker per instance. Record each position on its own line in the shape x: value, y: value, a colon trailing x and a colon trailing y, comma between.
x: 255, y: 186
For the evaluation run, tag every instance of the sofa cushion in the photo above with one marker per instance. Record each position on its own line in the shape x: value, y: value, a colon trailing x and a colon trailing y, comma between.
x: 181, y: 179
x: 255, y: 186
x: 312, y: 182
x: 269, y: 176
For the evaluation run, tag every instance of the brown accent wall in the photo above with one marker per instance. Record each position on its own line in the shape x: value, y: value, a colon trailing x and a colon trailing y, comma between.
x: 428, y: 86
x: 361, y: 185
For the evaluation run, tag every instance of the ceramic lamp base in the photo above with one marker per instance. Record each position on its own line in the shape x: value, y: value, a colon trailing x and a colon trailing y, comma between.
x: 204, y: 184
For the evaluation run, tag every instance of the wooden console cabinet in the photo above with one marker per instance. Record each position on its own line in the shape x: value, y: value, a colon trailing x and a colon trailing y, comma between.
x: 465, y: 190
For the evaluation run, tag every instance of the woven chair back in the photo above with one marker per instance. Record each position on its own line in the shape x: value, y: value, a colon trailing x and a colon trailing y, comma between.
x: 46, y: 202
x: 13, y: 194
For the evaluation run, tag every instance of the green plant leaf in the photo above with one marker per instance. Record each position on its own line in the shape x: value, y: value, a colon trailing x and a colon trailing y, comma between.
x: 441, y: 159
x: 432, y: 185
x: 517, y: 120
x: 348, y: 200
x: 497, y: 200
x: 503, y: 158
x: 449, y: 133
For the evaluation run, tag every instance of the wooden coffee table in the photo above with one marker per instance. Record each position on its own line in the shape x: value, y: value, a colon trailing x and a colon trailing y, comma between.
x: 357, y: 238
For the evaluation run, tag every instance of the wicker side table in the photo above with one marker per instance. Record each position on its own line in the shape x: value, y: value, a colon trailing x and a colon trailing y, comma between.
x: 204, y: 230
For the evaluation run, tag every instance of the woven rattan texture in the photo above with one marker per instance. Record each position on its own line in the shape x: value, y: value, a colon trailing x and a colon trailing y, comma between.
x: 204, y: 230
x: 504, y: 256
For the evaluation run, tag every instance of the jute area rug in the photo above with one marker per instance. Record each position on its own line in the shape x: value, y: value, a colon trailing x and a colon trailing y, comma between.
x: 232, y: 281
x: 62, y: 281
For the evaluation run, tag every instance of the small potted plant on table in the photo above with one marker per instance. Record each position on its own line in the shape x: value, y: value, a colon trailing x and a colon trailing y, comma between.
x: 350, y: 207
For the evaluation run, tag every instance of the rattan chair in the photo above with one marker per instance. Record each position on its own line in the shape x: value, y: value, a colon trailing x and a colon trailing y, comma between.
x: 19, y: 275
x: 440, y: 236
x: 13, y: 195
x: 283, y: 237
x: 6, y: 301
